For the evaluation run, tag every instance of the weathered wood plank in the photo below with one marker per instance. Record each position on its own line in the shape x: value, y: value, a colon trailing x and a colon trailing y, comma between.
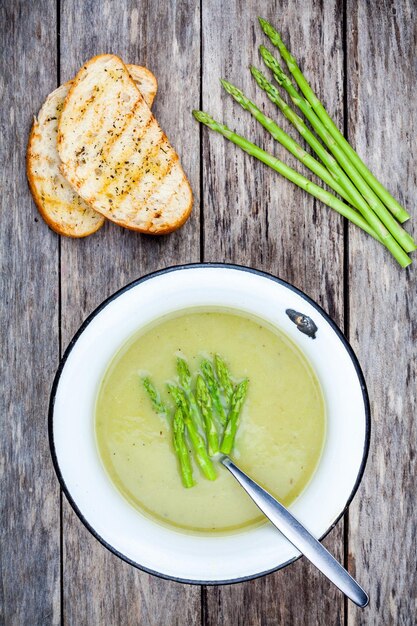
x: 251, y: 216
x: 30, y: 533
x: 254, y: 217
x: 382, y: 48
x: 98, y: 587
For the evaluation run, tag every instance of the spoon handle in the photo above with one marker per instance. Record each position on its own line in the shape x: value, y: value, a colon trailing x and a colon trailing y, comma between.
x: 299, y: 536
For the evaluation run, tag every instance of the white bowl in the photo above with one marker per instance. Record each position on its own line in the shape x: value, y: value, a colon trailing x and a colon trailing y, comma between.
x: 104, y: 511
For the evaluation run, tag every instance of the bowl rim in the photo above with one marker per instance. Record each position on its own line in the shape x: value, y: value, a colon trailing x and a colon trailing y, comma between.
x: 131, y: 285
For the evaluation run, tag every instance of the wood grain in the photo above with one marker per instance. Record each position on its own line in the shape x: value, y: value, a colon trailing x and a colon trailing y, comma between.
x: 98, y: 587
x: 250, y: 216
x: 254, y: 217
x: 29, y: 528
x: 382, y: 48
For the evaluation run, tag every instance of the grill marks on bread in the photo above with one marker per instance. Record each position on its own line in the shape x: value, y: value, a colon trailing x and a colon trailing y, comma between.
x: 128, y: 172
x: 58, y: 202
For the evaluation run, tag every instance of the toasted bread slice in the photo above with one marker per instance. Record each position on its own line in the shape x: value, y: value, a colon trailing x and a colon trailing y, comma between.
x: 116, y: 156
x: 145, y: 82
x: 59, y: 204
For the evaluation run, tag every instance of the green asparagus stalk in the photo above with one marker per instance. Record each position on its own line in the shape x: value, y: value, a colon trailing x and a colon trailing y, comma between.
x: 369, y: 198
x: 392, y: 204
x: 209, y: 376
x: 313, y: 189
x: 288, y: 142
x: 325, y: 156
x: 181, y: 449
x: 196, y: 439
x: 178, y: 434
x: 204, y: 402
x: 237, y: 401
x: 200, y: 451
x: 224, y: 377
x: 179, y: 398
x: 357, y: 200
x: 185, y: 379
x: 158, y: 405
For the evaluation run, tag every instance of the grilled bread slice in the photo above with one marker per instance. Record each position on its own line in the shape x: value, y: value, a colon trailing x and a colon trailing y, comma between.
x: 145, y: 82
x: 59, y: 204
x: 116, y: 156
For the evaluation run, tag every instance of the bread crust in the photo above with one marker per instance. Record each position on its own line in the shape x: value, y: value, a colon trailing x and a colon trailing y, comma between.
x: 71, y: 217
x: 59, y: 228
x: 156, y: 223
x: 145, y: 81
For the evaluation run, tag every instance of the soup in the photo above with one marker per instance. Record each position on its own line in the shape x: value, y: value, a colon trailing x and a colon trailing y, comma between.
x: 278, y: 443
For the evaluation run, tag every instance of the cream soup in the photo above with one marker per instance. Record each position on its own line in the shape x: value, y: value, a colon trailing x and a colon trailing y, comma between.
x: 281, y: 432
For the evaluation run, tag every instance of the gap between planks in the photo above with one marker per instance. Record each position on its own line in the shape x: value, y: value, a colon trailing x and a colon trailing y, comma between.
x: 346, y: 300
x: 61, y: 521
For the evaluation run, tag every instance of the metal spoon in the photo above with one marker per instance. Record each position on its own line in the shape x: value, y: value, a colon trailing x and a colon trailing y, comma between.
x: 299, y: 536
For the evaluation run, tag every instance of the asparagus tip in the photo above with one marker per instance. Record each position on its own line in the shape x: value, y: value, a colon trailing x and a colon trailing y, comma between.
x: 258, y: 76
x: 266, y: 55
x: 146, y: 381
x: 272, y: 63
x: 204, y: 118
x: 182, y: 363
x: 236, y: 93
x: 269, y: 31
x: 265, y: 25
x: 200, y: 116
x: 228, y: 86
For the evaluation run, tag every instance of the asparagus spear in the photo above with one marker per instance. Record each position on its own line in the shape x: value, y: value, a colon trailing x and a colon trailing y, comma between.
x: 204, y: 402
x: 357, y: 200
x: 179, y: 398
x: 185, y: 378
x: 237, y: 401
x: 196, y: 439
x: 327, y: 158
x: 158, y: 405
x: 370, y: 199
x: 208, y: 372
x: 392, y: 204
x: 280, y: 167
x: 223, y: 376
x: 178, y: 434
x: 181, y: 449
x: 287, y: 141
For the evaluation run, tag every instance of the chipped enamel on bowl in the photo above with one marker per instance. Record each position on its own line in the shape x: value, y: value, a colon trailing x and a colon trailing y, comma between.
x: 104, y: 511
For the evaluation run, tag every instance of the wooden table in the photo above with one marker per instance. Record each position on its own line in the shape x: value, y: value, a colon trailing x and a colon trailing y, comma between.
x: 359, y: 56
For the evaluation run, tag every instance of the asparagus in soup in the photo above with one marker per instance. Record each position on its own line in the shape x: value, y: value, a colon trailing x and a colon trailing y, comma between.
x: 199, y: 383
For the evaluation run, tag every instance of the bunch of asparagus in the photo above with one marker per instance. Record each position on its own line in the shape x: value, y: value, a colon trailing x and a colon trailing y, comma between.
x: 365, y: 201
x: 206, y: 413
